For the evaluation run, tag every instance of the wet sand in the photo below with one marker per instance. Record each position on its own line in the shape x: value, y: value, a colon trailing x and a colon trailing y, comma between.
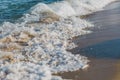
x: 107, y: 27
x: 100, y: 69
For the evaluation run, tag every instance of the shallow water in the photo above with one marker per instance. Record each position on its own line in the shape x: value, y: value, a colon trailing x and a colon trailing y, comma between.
x: 107, y: 24
x: 108, y: 49
x: 102, y: 46
x: 105, y: 38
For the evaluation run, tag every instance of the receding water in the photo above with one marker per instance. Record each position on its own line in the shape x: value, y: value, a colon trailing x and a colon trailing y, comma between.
x: 104, y: 42
x: 102, y: 47
x: 107, y: 50
x: 107, y: 27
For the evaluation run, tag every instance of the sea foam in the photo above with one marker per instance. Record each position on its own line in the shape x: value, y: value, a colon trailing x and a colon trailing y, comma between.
x: 36, y: 47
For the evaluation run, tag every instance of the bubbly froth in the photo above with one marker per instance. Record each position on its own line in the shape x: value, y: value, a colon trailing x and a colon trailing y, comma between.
x: 43, y: 37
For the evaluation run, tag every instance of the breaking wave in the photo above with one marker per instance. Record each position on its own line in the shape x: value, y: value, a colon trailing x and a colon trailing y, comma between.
x: 42, y: 38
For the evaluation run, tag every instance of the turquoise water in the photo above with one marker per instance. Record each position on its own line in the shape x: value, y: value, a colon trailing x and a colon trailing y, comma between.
x: 11, y: 10
x: 107, y: 50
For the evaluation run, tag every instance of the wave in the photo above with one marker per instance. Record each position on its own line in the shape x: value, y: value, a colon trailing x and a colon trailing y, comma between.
x: 42, y: 38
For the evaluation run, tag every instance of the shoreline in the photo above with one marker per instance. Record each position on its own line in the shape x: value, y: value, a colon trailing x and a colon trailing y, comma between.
x: 45, y: 44
x: 103, y: 29
x: 99, y: 69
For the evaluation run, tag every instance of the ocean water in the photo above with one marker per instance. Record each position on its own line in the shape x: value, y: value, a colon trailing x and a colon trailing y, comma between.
x: 104, y: 50
x: 37, y: 44
x: 11, y: 10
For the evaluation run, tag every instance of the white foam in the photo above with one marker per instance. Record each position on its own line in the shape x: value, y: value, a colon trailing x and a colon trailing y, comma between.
x: 35, y: 12
x: 46, y: 44
x: 26, y: 71
x: 79, y: 7
x: 98, y: 4
x: 32, y: 44
x: 62, y: 8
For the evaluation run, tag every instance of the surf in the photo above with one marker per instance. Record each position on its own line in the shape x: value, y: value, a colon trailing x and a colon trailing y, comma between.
x: 42, y: 37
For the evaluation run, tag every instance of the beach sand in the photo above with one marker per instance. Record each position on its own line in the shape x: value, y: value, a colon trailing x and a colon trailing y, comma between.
x: 100, y: 69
